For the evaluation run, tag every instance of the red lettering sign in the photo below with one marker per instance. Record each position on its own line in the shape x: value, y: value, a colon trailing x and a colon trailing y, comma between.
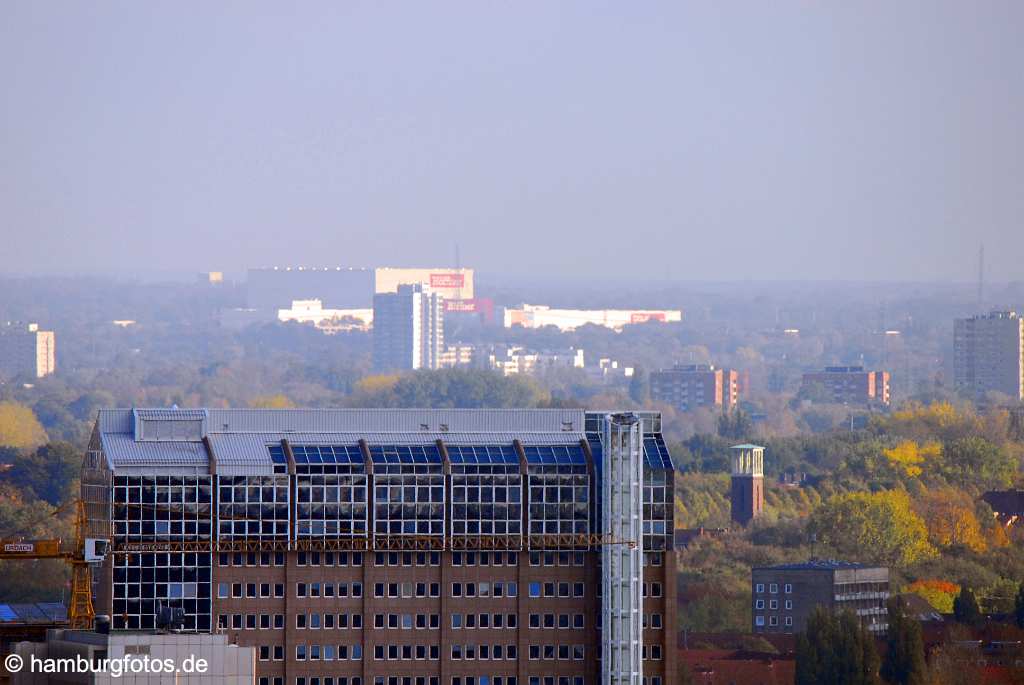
x: 448, y: 280
x: 642, y: 317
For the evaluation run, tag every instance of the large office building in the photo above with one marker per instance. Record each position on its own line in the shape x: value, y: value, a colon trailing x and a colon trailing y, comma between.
x: 453, y: 285
x: 339, y: 287
x: 273, y: 288
x: 849, y: 385
x: 784, y: 596
x: 26, y: 352
x: 988, y: 355
x: 395, y: 547
x: 408, y: 329
x: 688, y: 386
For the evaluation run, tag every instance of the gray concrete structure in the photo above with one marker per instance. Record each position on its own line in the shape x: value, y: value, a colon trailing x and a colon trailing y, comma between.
x: 784, y: 595
x: 988, y: 355
x: 134, y: 659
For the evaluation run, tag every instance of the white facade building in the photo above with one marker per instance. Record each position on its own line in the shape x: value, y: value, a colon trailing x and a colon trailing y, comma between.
x: 26, y: 351
x: 327, y: 320
x: 538, y: 316
x: 408, y: 331
x: 514, y: 360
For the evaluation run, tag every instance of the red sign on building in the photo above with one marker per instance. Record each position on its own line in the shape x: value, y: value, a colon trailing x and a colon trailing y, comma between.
x: 447, y: 280
x: 642, y: 317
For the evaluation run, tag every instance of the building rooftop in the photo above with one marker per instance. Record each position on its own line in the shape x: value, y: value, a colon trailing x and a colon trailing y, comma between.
x: 249, y: 441
x: 816, y: 564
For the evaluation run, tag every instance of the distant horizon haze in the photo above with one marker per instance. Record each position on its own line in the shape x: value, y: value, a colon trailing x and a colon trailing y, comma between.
x: 572, y: 142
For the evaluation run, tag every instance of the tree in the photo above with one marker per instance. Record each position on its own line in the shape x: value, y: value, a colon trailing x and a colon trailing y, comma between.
x: 835, y: 649
x: 48, y: 472
x: 950, y: 517
x: 879, y: 527
x: 1018, y: 606
x: 735, y: 424
x: 976, y: 461
x: 277, y: 401
x: 904, y: 662
x: 19, y: 427
x: 639, y: 386
x: 965, y: 607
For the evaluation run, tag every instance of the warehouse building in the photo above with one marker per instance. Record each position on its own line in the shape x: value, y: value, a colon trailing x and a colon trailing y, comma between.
x: 395, y: 547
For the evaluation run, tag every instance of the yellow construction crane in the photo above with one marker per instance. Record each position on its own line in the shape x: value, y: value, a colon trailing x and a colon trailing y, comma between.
x: 80, y: 611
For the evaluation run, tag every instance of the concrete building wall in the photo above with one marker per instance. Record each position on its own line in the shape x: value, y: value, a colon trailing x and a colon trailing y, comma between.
x: 27, y: 352
x: 784, y: 596
x: 451, y: 284
x: 988, y: 355
x: 687, y: 387
x: 851, y: 384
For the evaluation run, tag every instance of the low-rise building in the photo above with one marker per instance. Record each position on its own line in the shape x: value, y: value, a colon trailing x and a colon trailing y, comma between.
x: 539, y: 316
x: 26, y: 351
x: 134, y: 657
x: 785, y: 595
x: 327, y: 320
x: 515, y: 360
x: 849, y: 385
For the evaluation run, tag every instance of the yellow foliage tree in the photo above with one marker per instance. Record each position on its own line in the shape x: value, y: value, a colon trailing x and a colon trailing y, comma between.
x: 949, y: 516
x: 19, y: 427
x: 278, y: 401
x: 376, y: 384
x: 879, y: 527
x: 908, y: 456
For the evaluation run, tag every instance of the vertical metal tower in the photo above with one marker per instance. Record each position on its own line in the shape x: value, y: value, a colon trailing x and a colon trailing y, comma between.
x: 622, y: 565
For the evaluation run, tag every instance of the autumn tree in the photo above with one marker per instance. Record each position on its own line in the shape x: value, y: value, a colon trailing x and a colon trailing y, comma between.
x: 904, y: 662
x: 908, y: 457
x: 19, y: 427
x: 278, y: 401
x: 877, y: 527
x: 938, y: 593
x: 951, y: 521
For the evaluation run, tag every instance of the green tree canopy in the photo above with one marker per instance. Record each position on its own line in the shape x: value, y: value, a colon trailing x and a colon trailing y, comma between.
x: 835, y: 649
x: 965, y: 607
x: 976, y: 461
x: 48, y: 472
x: 904, y: 662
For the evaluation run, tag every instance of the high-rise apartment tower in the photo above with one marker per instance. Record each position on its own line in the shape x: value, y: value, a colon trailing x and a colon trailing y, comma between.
x: 988, y: 355
x: 408, y: 329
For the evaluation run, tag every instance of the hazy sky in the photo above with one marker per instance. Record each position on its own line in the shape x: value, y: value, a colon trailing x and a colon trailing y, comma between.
x: 712, y: 140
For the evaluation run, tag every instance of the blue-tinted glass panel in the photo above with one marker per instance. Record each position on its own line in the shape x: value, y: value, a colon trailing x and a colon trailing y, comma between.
x: 554, y: 454
x: 318, y: 454
x: 277, y: 454
x: 482, y: 454
x: 405, y: 454
x: 656, y: 453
